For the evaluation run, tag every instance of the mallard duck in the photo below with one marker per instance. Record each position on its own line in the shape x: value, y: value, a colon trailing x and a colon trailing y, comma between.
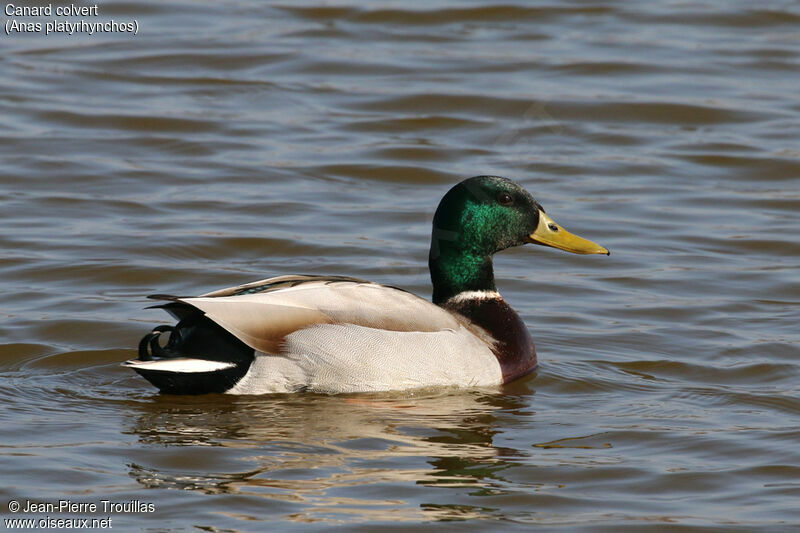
x: 335, y: 334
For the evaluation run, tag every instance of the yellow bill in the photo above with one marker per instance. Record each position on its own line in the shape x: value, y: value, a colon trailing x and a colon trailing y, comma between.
x: 548, y: 233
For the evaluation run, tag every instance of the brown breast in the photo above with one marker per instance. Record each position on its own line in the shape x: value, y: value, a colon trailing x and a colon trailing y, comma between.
x: 514, y: 347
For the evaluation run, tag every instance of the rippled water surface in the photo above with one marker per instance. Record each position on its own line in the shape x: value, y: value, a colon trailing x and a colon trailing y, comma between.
x: 232, y: 141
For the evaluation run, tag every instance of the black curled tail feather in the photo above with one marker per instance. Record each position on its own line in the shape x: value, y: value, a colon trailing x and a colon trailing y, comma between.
x: 194, y: 337
x: 150, y: 348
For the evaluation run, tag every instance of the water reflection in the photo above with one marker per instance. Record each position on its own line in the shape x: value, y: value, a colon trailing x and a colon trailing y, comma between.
x: 347, y: 455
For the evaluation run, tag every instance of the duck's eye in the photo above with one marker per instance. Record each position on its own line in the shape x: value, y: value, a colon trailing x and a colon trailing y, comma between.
x: 504, y: 199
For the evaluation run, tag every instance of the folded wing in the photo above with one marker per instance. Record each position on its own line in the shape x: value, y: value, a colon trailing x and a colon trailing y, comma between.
x: 264, y: 313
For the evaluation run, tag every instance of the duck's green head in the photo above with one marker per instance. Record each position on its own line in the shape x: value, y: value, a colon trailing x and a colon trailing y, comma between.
x: 481, y: 216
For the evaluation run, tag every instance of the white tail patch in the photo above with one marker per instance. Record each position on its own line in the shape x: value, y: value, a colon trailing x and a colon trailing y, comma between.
x: 182, y: 365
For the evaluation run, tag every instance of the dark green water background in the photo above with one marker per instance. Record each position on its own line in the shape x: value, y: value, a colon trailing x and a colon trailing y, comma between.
x: 231, y: 141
